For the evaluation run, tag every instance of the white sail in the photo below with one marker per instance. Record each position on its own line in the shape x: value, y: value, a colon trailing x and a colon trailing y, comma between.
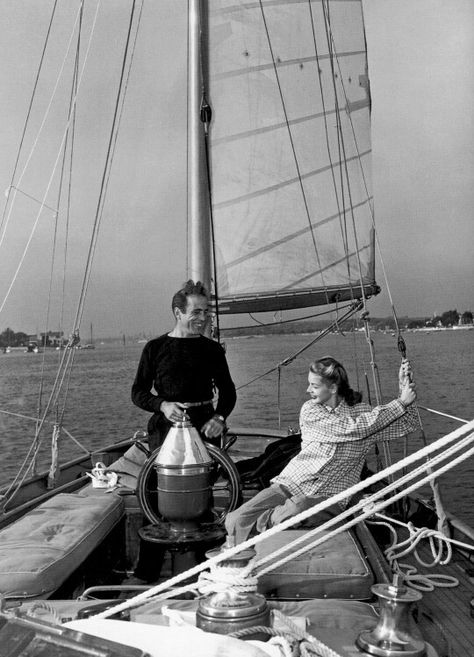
x: 290, y: 153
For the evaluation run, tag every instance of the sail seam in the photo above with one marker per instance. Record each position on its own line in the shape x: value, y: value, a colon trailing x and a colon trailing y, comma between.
x: 287, y: 238
x: 352, y: 107
x: 268, y: 3
x: 285, y: 183
x: 346, y: 258
x: 268, y: 128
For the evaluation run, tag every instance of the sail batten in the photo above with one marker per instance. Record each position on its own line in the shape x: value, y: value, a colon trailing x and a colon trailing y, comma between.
x: 290, y: 153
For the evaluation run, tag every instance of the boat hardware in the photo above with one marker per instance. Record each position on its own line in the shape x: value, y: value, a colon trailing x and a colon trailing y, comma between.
x: 395, y: 633
x: 175, y: 490
x: 234, y: 609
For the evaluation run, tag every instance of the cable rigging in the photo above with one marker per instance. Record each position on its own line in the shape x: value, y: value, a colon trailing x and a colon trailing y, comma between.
x: 67, y: 357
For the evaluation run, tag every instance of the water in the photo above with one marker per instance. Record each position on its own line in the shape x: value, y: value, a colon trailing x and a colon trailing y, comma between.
x: 99, y: 410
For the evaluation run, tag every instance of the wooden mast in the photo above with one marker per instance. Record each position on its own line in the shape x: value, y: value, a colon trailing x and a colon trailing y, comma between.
x: 199, y: 234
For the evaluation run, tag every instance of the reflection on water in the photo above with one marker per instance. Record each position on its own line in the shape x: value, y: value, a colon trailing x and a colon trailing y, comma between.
x: 99, y: 410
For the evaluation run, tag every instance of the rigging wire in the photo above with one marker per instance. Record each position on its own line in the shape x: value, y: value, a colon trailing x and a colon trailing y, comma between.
x: 33, y: 148
x: 283, y: 104
x: 365, y: 315
x: 71, y: 125
x: 28, y: 113
x: 35, y: 224
x: 341, y: 145
x: 282, y: 321
x: 68, y: 354
x: 293, y: 148
x: 401, y: 343
x: 104, y: 179
x: 339, y: 201
x: 354, y: 308
x: 21, y: 476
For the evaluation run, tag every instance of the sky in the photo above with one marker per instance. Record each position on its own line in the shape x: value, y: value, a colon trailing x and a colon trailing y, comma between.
x: 421, y: 55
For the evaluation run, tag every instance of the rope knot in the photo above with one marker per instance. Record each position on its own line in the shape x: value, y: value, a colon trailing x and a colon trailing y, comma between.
x: 227, y: 580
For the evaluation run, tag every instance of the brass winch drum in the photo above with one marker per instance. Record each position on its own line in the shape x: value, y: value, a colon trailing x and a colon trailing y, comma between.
x: 184, y: 494
x: 251, y: 610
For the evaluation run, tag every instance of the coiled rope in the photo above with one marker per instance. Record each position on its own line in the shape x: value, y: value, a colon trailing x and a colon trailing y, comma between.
x: 439, y: 544
x: 292, y: 641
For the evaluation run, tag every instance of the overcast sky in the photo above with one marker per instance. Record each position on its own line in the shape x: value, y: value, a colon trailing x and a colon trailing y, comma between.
x: 421, y: 55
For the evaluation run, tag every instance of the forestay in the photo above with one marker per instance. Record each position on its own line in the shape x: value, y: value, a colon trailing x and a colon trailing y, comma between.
x: 290, y: 153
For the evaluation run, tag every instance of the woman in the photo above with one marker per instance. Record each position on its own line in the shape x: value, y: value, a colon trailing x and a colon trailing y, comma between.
x: 337, y: 432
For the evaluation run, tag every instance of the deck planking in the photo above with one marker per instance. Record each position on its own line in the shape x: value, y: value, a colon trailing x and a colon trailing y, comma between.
x: 450, y: 608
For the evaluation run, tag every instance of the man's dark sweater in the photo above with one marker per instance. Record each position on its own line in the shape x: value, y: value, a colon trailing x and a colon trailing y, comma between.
x: 182, y: 370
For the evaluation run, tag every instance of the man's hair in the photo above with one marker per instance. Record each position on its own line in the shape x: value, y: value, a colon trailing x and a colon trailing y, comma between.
x: 332, y: 372
x: 190, y: 288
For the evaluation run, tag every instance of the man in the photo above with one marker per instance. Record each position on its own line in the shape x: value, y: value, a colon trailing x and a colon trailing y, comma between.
x: 177, y: 375
x: 184, y: 368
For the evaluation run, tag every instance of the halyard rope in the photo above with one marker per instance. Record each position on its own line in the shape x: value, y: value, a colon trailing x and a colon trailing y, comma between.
x: 466, y: 432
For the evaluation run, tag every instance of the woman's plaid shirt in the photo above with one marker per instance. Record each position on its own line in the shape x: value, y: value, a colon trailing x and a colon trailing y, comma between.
x: 335, y: 443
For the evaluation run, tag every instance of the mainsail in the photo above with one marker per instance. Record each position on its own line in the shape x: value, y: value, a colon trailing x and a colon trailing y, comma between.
x: 290, y: 153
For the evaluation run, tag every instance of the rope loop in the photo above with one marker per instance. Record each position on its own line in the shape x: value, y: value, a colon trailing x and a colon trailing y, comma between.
x: 438, y: 544
x: 227, y: 580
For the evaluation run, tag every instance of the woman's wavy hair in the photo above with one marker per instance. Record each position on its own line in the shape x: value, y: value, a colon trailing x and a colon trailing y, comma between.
x: 190, y: 288
x: 332, y: 372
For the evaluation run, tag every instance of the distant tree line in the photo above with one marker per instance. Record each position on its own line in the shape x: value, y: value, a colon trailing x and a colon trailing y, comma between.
x: 447, y: 319
x: 11, y: 339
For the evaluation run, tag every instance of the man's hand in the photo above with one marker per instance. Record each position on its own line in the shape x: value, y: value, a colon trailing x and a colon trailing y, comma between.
x: 173, y: 411
x: 213, y: 427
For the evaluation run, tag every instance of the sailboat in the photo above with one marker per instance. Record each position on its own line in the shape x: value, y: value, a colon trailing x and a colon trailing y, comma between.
x: 281, y: 218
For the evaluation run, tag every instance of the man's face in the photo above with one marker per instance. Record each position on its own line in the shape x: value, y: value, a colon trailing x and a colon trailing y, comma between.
x: 194, y: 318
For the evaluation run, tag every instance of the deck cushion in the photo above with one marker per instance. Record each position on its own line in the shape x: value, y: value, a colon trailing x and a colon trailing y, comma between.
x: 334, y: 569
x: 40, y: 550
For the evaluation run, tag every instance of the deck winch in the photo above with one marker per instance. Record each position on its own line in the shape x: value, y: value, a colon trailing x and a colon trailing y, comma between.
x: 395, y: 633
x: 234, y: 610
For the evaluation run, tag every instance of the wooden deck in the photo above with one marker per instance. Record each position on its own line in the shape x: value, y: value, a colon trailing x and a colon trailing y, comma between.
x: 445, y: 613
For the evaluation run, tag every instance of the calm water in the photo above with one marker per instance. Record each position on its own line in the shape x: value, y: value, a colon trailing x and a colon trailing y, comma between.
x: 99, y: 410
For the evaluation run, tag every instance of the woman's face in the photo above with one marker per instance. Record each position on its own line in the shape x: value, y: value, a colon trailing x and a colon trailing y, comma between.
x: 319, y: 390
